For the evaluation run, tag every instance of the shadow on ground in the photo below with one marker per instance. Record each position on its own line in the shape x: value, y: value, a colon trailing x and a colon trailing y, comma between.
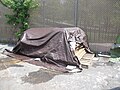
x: 40, y: 76
x: 117, y: 88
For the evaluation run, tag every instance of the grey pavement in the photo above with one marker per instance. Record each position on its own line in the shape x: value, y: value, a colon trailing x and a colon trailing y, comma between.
x: 17, y: 75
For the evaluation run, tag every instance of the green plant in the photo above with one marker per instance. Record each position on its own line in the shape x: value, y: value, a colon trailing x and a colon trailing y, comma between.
x: 21, y: 13
x: 115, y: 52
x: 118, y: 39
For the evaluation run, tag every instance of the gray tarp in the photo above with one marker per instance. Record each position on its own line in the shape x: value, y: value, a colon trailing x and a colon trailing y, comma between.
x: 51, y: 45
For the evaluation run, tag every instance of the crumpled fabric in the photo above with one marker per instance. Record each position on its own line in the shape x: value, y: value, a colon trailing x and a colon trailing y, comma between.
x: 51, y: 45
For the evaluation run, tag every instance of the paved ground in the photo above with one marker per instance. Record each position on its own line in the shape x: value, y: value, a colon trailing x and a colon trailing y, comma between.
x: 16, y: 75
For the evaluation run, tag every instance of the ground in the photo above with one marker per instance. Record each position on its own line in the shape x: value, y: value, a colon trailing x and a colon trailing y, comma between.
x: 17, y: 75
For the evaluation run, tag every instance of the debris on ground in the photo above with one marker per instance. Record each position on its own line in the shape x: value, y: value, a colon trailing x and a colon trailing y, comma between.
x: 102, y: 75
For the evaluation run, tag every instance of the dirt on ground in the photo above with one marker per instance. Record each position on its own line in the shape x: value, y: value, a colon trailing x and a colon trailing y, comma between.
x: 17, y: 75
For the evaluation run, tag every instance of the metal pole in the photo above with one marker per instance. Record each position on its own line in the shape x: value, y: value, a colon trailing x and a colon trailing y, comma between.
x: 76, y: 13
x: 43, y: 12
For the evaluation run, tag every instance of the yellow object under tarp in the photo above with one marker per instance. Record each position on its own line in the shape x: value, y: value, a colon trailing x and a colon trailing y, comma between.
x: 80, y: 53
x: 84, y: 57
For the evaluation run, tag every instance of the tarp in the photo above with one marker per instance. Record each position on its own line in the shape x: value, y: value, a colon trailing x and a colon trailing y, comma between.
x: 51, y: 45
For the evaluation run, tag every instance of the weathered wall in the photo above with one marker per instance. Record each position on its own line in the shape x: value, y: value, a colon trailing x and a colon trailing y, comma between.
x: 98, y: 18
x: 6, y: 32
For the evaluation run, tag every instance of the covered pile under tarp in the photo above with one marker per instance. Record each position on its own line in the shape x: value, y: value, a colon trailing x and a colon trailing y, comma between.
x: 52, y: 45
